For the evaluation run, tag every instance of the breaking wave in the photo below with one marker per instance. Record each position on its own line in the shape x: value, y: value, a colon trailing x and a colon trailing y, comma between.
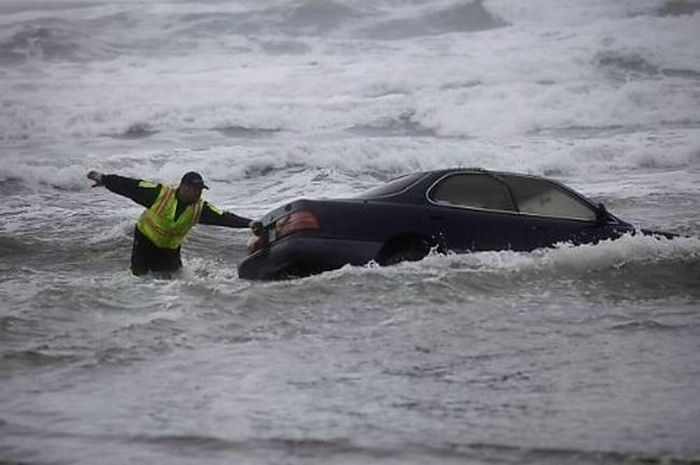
x: 107, y: 33
x: 631, y: 66
x: 293, y: 66
x: 679, y: 8
x: 629, y: 268
x: 462, y: 17
x: 306, y: 167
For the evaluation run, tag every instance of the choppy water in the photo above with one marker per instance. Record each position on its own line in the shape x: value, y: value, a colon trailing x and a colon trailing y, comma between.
x: 573, y: 355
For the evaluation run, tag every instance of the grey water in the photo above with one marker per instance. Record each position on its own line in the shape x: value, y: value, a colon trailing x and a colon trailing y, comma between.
x: 581, y: 355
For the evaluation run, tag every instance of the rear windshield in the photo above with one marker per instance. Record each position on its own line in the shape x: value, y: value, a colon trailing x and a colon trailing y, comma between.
x: 392, y: 187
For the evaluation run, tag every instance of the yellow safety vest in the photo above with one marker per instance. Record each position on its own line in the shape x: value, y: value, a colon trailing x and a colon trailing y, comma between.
x: 158, y: 222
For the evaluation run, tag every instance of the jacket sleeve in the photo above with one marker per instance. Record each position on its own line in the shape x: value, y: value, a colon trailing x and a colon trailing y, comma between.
x: 212, y: 215
x: 140, y: 191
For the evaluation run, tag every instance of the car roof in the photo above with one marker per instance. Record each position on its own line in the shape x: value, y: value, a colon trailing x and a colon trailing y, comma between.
x: 435, y: 175
x: 477, y: 170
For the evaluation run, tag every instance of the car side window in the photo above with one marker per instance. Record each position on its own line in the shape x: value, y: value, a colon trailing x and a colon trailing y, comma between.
x: 474, y: 191
x: 538, y: 197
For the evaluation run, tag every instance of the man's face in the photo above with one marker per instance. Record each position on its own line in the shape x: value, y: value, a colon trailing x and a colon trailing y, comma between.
x: 189, y: 193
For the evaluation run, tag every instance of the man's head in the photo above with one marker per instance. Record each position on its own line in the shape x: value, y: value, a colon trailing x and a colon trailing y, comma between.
x: 191, y: 186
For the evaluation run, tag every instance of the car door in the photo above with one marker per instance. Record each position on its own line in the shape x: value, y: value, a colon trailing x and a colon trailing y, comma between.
x: 552, y: 213
x: 476, y: 212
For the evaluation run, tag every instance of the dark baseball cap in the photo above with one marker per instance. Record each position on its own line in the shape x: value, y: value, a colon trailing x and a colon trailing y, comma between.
x: 194, y: 179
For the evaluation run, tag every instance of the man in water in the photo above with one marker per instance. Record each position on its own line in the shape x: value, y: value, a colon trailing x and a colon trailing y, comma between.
x: 171, y: 211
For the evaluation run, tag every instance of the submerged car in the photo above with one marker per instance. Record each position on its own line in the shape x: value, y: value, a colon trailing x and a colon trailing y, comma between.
x: 457, y: 210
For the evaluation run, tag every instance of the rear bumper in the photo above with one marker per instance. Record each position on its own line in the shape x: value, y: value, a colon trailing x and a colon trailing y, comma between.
x: 302, y: 255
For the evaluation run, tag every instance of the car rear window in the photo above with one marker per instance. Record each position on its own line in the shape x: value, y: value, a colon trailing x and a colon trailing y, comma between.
x: 392, y: 187
x: 539, y: 197
x: 473, y: 191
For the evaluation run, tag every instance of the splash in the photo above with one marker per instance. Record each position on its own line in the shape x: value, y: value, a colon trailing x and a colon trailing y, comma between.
x: 632, y: 267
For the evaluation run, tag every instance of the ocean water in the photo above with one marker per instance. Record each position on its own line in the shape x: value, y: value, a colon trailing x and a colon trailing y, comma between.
x: 582, y: 355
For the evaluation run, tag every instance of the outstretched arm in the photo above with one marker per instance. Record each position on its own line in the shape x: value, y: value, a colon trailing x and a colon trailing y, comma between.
x: 212, y: 215
x: 142, y: 192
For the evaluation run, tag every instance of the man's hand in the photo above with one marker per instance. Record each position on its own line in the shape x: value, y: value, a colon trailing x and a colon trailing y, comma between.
x: 257, y: 240
x: 257, y: 227
x: 95, y: 176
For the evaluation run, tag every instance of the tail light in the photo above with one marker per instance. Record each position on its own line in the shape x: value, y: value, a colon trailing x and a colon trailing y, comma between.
x: 298, y: 221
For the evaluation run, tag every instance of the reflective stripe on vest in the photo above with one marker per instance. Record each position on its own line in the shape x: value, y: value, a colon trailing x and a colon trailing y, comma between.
x: 158, y: 222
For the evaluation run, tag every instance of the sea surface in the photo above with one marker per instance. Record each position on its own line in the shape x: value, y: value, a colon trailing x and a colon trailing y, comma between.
x: 571, y: 355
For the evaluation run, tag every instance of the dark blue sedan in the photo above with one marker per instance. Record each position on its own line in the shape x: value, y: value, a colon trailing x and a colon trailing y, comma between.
x: 458, y: 210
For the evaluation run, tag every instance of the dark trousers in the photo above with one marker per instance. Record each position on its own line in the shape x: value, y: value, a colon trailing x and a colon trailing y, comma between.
x: 146, y: 257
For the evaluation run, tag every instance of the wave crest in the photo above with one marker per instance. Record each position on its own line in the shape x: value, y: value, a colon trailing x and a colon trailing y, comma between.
x: 633, y: 267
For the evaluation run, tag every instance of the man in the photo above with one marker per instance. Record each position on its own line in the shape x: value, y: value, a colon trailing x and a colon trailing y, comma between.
x: 171, y: 211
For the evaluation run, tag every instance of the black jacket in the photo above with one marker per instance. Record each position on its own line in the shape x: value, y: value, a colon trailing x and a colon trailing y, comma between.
x: 146, y: 193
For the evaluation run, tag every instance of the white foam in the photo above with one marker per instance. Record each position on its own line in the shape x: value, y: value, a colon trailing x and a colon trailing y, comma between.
x: 500, y: 83
x: 629, y: 249
x: 68, y: 177
x: 565, y: 261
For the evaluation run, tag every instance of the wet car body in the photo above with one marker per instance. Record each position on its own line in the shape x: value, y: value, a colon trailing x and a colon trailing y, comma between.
x: 457, y: 210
